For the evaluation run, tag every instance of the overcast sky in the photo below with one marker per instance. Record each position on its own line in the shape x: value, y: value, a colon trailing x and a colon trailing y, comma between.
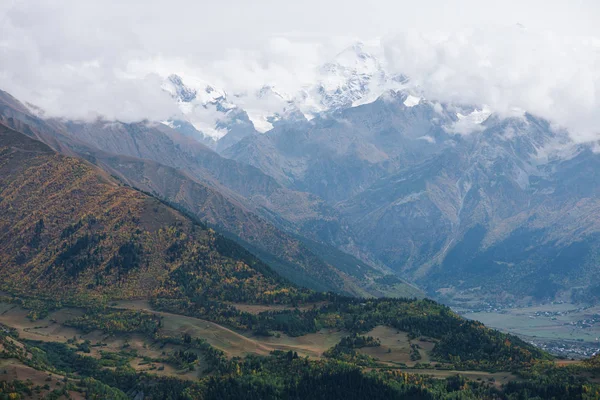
x: 80, y: 58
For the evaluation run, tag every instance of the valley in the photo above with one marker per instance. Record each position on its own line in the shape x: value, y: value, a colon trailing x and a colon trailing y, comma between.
x: 564, y: 329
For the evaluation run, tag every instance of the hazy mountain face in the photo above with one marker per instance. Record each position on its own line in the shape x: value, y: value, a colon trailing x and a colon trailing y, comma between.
x: 464, y: 203
x: 339, y: 154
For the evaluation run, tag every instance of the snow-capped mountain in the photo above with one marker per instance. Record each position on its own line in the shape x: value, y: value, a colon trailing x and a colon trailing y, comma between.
x: 201, y: 105
x: 353, y: 77
x: 419, y: 181
x: 194, y: 91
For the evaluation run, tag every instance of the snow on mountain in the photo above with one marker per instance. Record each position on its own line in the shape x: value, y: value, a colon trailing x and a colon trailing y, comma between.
x: 194, y: 90
x: 412, y: 101
x: 353, y: 77
x: 266, y: 106
x: 201, y: 104
x: 174, y: 85
x: 349, y: 77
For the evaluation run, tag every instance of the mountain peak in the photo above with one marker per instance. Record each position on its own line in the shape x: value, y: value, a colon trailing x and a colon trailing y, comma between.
x: 354, y: 53
x: 179, y: 90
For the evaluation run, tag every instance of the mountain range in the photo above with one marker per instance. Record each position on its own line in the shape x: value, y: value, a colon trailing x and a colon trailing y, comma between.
x: 468, y: 204
x: 503, y: 213
x: 223, y: 193
x: 359, y: 184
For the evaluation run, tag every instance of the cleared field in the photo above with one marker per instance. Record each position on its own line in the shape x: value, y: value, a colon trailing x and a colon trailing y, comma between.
x: 49, y: 329
x: 396, y: 346
x: 232, y: 343
x: 312, y: 344
x: 240, y: 344
x: 258, y: 308
x: 237, y: 344
x: 12, y: 369
x: 499, y: 378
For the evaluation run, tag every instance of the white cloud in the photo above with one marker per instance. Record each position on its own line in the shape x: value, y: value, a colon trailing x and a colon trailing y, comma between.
x: 555, y: 77
x: 69, y: 69
x: 79, y: 59
x: 470, y: 122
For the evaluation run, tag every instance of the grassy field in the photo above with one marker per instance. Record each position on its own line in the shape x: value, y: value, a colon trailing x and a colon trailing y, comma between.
x: 50, y: 329
x: 241, y: 344
x: 12, y: 369
x: 499, y: 378
x: 395, y: 347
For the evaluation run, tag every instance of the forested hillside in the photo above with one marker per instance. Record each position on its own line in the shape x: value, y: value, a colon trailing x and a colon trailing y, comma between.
x: 69, y: 230
x: 159, y: 160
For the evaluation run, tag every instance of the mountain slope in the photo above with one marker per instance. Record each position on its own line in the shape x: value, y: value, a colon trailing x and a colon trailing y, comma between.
x: 298, y: 212
x: 70, y: 230
x: 286, y: 254
x: 547, y: 248
x: 491, y: 217
x: 296, y: 258
x: 339, y: 154
x: 465, y: 204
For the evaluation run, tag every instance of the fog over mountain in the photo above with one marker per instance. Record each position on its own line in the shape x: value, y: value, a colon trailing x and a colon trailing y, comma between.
x: 538, y: 57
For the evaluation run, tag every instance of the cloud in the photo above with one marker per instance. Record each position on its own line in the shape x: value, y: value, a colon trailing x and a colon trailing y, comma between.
x: 510, y: 70
x: 81, y: 59
x: 69, y: 69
